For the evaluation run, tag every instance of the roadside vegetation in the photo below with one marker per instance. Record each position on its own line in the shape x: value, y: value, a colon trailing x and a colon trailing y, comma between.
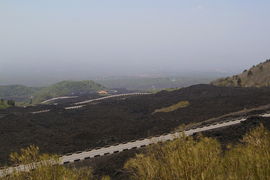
x: 46, y: 170
x: 202, y: 158
x: 174, y: 107
x: 6, y: 104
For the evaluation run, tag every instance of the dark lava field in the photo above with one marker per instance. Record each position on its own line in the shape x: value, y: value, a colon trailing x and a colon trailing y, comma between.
x: 122, y: 119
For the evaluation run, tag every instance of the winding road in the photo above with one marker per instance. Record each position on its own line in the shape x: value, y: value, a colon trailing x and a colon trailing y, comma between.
x: 79, y: 105
x: 84, y: 155
x: 57, y: 98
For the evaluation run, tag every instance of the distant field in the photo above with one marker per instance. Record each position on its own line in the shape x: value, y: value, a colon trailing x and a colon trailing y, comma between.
x: 154, y: 84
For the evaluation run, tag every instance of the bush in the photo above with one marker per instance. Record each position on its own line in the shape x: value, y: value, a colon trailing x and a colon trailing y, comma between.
x: 46, y: 169
x: 201, y: 159
x: 250, y: 73
x: 6, y: 104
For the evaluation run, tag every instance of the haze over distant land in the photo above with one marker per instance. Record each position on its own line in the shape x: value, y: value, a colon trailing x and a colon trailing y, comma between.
x: 42, y: 42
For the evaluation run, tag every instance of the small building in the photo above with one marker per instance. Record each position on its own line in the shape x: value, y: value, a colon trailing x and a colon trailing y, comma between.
x: 103, y: 92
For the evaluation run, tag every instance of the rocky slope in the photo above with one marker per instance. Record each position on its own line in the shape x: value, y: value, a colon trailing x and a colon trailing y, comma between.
x: 257, y: 76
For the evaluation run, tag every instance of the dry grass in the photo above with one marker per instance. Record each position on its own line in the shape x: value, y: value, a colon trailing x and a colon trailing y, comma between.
x: 202, y: 159
x: 45, y: 170
x: 257, y: 76
x: 174, y: 107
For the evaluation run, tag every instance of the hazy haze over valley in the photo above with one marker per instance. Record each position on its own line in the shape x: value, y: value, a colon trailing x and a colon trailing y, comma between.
x: 49, y: 41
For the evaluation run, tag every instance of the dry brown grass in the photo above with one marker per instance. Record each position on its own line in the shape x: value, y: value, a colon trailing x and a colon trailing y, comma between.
x: 203, y: 159
x: 45, y: 170
x: 174, y: 107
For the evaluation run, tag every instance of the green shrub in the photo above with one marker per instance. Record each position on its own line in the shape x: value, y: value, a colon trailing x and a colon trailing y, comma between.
x: 6, y: 104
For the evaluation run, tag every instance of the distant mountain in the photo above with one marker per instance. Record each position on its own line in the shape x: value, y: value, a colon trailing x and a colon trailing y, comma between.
x: 66, y: 88
x: 26, y: 94
x: 17, y: 92
x: 257, y: 76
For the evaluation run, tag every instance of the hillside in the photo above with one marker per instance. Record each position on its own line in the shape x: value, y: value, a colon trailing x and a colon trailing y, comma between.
x: 257, y: 76
x: 66, y: 88
x: 20, y: 93
x: 121, y: 119
x: 6, y: 104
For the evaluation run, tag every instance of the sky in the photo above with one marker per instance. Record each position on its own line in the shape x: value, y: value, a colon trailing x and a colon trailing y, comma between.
x: 63, y: 39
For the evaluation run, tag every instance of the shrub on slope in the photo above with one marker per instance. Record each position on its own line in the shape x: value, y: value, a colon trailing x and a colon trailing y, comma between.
x: 257, y: 76
x: 187, y: 158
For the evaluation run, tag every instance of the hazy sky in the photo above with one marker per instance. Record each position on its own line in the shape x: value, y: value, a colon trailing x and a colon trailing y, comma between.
x: 87, y: 38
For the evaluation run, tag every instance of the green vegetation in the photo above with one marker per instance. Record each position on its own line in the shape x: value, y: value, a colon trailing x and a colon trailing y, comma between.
x: 202, y: 158
x: 66, y: 88
x: 257, y: 76
x: 28, y: 95
x: 6, y: 104
x: 45, y: 170
x: 17, y: 92
x: 174, y: 107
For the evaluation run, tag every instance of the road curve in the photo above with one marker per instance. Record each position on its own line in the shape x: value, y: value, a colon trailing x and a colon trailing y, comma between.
x: 79, y: 105
x: 108, y: 97
x: 84, y: 155
x: 56, y: 98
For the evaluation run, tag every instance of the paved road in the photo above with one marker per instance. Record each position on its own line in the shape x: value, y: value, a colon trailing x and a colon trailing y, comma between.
x: 108, y: 97
x: 80, y: 156
x: 54, y: 99
x: 140, y: 143
x: 79, y: 105
x: 42, y: 111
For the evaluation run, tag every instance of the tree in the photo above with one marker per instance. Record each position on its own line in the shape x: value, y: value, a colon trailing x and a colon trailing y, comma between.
x: 11, y: 103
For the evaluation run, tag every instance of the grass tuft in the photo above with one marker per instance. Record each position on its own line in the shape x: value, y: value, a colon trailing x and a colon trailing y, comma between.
x: 174, y: 107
